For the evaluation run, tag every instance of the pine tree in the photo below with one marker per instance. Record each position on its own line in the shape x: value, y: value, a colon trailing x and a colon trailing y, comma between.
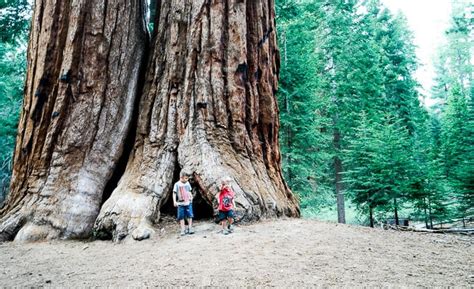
x: 361, y: 156
x: 429, y: 191
x: 380, y: 165
x: 454, y: 88
x: 347, y: 58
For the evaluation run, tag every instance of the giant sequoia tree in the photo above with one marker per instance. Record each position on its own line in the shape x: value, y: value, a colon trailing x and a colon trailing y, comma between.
x: 200, y: 97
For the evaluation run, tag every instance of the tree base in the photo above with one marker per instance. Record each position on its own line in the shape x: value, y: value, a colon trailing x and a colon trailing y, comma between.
x: 134, y: 206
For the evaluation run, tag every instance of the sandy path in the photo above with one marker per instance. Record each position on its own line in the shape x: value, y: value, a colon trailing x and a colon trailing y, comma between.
x: 272, y: 253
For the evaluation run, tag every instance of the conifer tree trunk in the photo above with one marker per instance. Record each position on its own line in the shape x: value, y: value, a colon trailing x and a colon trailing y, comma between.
x: 341, y: 210
x: 430, y: 214
x: 84, y: 59
x: 207, y: 106
x: 371, y: 216
x: 426, y: 213
x: 395, y: 207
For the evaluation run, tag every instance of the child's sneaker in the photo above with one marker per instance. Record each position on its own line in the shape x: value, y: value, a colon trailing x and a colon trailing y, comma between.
x: 190, y: 231
x: 230, y: 228
x: 183, y: 233
x: 225, y: 232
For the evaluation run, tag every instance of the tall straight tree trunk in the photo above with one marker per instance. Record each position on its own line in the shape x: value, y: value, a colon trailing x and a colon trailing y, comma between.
x: 395, y: 206
x: 208, y: 108
x: 288, y: 111
x: 206, y: 105
x: 431, y: 215
x: 341, y: 212
x: 84, y: 59
x: 426, y: 213
x: 371, y: 216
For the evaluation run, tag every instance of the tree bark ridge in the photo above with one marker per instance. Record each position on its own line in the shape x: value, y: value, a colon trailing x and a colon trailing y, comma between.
x: 81, y: 83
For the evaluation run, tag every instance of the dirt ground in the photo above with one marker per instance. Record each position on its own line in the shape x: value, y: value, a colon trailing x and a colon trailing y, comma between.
x: 282, y: 253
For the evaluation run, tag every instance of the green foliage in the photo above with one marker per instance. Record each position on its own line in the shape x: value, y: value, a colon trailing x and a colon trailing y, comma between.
x: 454, y: 88
x: 320, y: 103
x: 13, y: 46
x: 14, y: 19
x: 356, y: 100
x: 380, y: 162
x: 12, y: 67
x: 429, y: 190
x: 453, y: 63
x: 302, y: 118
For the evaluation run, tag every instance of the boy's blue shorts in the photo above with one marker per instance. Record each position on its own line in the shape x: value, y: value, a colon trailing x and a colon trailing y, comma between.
x: 185, y: 212
x: 226, y: 215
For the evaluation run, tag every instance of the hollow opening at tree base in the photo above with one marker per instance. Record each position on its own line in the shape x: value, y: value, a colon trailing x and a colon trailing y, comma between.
x: 201, y: 208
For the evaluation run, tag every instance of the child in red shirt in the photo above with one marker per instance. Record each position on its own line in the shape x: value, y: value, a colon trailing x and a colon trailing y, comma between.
x: 226, y: 207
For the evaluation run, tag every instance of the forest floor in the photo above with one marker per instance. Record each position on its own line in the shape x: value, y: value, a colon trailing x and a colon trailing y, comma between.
x: 281, y: 253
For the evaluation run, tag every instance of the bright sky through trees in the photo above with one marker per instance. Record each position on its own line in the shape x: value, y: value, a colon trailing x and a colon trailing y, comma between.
x: 428, y: 19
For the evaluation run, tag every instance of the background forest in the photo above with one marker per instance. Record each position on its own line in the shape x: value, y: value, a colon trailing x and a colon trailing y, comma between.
x: 358, y: 142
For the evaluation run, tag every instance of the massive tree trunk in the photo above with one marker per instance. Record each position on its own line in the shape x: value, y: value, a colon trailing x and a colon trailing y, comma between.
x: 84, y: 59
x: 208, y: 107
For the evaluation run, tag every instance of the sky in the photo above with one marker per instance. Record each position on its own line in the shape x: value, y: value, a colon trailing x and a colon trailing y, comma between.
x: 428, y: 19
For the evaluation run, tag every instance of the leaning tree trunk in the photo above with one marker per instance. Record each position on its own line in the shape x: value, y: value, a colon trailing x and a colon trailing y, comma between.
x: 208, y: 108
x: 84, y: 59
